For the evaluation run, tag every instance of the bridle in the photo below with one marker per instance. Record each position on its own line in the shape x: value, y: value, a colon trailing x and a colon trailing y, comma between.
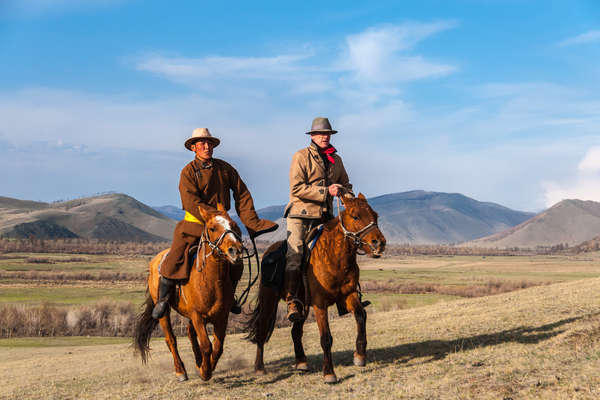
x: 357, y: 237
x: 214, y: 246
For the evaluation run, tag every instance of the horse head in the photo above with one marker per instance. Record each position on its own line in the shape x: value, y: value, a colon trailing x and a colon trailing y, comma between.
x: 221, y: 233
x: 359, y: 223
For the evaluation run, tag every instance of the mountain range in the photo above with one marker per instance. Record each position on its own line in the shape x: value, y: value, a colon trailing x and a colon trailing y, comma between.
x: 421, y: 217
x: 415, y: 217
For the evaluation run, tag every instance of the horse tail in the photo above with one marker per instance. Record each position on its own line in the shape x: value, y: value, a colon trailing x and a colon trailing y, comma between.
x: 262, y: 321
x: 144, y: 326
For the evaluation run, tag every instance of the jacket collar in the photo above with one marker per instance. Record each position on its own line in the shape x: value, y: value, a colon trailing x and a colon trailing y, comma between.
x: 200, y: 164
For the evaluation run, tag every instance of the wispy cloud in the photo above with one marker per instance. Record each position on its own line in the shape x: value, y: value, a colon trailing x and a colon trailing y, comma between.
x: 189, y: 70
x: 592, y: 36
x: 379, y: 54
x: 375, y: 56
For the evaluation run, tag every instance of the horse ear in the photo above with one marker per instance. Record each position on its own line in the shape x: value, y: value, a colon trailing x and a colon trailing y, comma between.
x: 220, y: 207
x: 361, y: 196
x: 203, y: 213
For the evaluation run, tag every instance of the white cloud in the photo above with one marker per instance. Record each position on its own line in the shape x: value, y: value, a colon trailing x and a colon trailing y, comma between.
x: 374, y: 55
x: 584, y: 185
x: 592, y: 36
x: 190, y: 70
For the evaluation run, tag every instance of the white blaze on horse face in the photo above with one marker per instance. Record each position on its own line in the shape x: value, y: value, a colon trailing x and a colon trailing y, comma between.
x: 223, y: 222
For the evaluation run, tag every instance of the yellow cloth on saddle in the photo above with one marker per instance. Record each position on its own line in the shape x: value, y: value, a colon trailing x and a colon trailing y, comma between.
x: 190, y: 218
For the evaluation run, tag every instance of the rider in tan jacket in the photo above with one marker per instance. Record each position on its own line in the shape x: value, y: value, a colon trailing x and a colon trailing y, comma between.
x: 317, y: 175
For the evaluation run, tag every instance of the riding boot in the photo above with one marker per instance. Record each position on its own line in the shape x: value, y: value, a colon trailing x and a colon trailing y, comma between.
x: 236, y: 308
x: 292, y: 278
x: 165, y: 289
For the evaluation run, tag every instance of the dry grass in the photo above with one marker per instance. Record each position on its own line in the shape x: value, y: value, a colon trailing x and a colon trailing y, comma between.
x: 538, y: 343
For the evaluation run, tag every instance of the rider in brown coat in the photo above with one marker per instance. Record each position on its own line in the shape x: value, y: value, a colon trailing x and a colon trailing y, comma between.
x: 205, y: 182
x: 317, y: 175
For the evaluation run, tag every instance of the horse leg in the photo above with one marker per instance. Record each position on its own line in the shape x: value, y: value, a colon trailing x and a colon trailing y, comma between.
x: 220, y: 326
x: 205, y: 346
x: 360, y: 315
x: 326, y: 342
x: 165, y: 324
x: 195, y: 348
x: 297, y: 331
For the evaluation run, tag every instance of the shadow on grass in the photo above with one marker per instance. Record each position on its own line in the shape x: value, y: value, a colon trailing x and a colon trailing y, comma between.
x: 429, y: 350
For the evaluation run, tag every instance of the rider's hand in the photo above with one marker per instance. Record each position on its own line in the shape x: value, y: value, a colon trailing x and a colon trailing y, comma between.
x: 334, y: 190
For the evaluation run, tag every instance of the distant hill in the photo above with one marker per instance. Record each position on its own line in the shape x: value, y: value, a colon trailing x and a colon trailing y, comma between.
x: 172, y: 212
x: 420, y: 217
x: 108, y: 217
x: 568, y: 222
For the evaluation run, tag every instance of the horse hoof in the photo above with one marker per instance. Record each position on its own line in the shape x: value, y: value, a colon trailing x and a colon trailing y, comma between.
x: 359, y: 361
x: 302, y: 366
x: 260, y: 372
x: 182, y: 377
x: 331, y: 378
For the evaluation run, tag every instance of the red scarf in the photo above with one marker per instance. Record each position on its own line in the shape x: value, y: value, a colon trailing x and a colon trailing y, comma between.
x: 328, y: 152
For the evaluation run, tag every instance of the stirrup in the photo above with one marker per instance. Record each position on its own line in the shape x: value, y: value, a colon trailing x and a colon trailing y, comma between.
x: 295, y: 307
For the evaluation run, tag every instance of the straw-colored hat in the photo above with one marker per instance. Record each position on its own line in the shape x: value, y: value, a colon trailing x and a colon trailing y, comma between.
x: 201, y: 134
x: 321, y: 125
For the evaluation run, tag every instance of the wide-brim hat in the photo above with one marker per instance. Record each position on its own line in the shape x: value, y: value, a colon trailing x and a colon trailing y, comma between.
x: 201, y: 134
x: 321, y: 125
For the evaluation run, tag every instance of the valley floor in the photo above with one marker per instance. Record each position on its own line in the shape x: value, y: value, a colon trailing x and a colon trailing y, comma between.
x: 538, y: 343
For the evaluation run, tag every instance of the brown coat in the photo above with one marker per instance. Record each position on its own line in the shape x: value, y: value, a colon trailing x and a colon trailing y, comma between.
x: 206, y: 185
x: 309, y: 196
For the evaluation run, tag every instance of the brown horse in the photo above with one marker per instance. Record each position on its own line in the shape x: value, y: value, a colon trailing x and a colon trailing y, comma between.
x: 332, y: 276
x: 205, y: 298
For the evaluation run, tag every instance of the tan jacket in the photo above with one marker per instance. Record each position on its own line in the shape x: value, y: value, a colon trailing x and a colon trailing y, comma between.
x: 209, y: 184
x: 309, y: 196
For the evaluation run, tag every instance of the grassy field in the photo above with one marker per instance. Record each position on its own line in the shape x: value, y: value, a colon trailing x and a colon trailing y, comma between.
x: 65, y: 279
x: 538, y: 343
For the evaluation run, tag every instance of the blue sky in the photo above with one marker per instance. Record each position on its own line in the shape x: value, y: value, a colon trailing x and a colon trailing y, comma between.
x: 498, y: 100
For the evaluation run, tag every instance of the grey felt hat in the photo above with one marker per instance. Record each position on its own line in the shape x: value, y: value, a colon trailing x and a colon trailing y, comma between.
x: 321, y: 125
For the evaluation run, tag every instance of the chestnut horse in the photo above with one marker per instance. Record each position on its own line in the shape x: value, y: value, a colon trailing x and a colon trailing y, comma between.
x: 332, y: 275
x: 205, y: 298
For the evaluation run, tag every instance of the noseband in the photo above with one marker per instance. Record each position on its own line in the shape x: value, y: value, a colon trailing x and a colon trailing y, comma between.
x: 356, y: 237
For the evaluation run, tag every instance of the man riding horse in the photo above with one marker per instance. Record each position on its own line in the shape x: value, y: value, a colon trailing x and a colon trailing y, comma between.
x: 317, y: 175
x: 205, y: 181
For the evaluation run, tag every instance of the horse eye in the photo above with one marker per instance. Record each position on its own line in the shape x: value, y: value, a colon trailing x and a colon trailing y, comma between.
x: 211, y: 229
x: 355, y: 218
